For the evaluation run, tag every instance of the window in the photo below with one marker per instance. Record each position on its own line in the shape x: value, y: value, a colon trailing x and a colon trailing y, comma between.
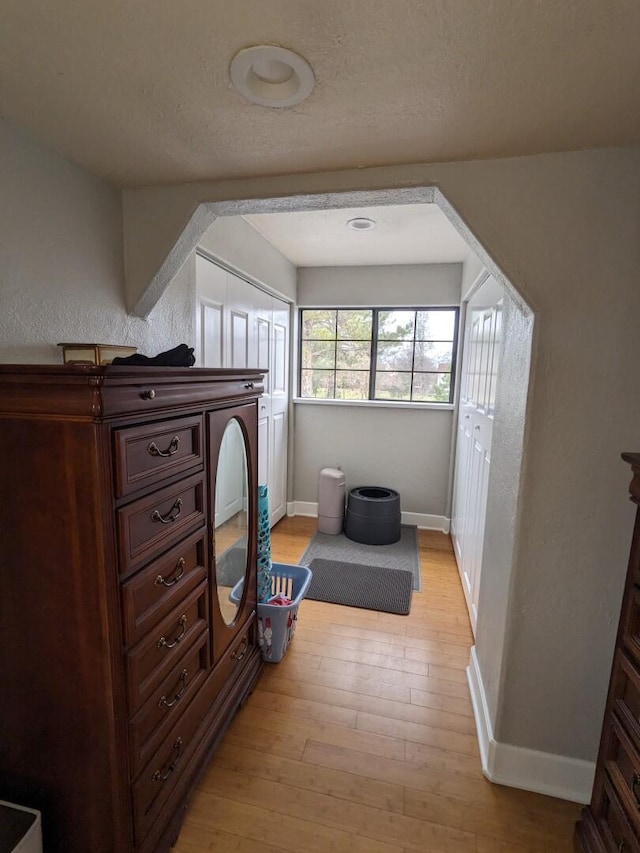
x: 378, y: 354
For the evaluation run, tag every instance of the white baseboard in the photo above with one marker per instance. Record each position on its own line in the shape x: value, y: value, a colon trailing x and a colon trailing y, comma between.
x: 309, y: 509
x: 306, y: 508
x: 427, y: 522
x: 518, y: 767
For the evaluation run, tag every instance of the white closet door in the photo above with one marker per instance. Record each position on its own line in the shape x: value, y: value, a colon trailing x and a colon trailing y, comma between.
x: 239, y: 309
x: 230, y: 483
x: 239, y: 325
x: 260, y: 356
x: 211, y: 296
x: 279, y: 411
x: 478, y: 377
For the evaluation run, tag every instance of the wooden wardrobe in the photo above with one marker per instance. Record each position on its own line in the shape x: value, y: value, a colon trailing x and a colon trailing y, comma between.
x: 121, y: 658
x: 612, y: 821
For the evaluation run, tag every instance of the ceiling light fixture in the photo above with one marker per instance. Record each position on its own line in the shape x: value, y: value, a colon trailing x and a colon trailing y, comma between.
x: 361, y: 223
x: 271, y: 76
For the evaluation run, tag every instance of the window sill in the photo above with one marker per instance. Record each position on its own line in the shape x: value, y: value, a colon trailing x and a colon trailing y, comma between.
x: 376, y: 404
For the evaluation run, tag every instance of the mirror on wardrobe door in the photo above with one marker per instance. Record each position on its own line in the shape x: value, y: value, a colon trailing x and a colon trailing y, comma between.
x: 231, y: 517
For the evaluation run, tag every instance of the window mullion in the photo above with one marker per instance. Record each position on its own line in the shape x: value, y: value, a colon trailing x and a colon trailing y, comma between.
x: 335, y: 358
x: 374, y: 353
x: 413, y: 352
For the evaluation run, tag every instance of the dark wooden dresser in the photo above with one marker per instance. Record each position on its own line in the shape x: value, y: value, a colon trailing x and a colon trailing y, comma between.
x: 612, y: 821
x: 121, y: 661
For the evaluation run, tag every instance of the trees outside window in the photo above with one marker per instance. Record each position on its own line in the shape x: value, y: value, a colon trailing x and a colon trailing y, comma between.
x: 378, y: 354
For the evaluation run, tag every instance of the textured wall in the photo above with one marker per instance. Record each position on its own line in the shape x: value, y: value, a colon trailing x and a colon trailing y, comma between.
x: 564, y: 229
x: 61, y: 276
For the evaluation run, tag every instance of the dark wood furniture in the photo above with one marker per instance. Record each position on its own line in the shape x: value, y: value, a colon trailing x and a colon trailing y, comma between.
x: 612, y: 821
x: 119, y: 673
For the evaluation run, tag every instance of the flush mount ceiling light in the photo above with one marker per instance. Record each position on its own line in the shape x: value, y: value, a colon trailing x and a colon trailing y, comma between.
x: 271, y: 76
x: 361, y: 223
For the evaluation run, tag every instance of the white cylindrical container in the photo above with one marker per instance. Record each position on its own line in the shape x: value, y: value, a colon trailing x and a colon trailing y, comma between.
x: 331, y: 501
x: 20, y: 829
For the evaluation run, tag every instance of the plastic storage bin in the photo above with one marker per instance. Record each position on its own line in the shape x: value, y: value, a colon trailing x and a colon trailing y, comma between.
x: 277, y: 623
x: 331, y: 501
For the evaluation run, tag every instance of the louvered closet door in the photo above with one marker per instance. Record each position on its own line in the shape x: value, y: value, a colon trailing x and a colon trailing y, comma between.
x: 480, y: 365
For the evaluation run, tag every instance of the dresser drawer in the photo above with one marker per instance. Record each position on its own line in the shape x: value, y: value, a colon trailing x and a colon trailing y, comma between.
x: 145, y: 455
x: 151, y: 593
x: 158, y: 653
x: 623, y: 765
x: 612, y: 821
x: 150, y: 725
x: 162, y: 774
x: 231, y: 663
x: 631, y: 623
x: 148, y: 526
x: 626, y: 695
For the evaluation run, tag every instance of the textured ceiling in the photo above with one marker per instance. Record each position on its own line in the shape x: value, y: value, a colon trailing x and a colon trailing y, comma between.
x: 404, y: 234
x: 139, y: 92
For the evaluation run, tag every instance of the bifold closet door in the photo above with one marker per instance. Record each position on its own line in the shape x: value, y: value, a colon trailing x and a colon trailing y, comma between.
x: 240, y: 325
x: 478, y: 377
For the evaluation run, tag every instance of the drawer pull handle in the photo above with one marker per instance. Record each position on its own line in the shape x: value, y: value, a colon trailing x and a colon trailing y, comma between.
x: 160, y: 581
x: 169, y: 645
x: 149, y: 394
x: 238, y: 654
x: 154, y: 450
x: 159, y: 776
x: 248, y: 385
x: 634, y: 787
x: 167, y: 519
x: 178, y: 696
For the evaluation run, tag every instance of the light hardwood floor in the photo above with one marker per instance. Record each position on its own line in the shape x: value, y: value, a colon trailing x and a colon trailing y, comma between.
x: 362, y: 739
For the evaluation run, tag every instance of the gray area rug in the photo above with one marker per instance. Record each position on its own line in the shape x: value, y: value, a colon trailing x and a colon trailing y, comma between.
x: 369, y: 587
x: 232, y: 563
x: 401, y: 555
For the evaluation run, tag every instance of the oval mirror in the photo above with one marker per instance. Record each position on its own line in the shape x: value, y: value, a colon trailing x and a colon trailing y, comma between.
x: 231, y: 517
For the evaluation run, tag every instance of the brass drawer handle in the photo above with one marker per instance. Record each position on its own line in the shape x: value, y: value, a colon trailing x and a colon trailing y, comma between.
x: 169, y: 645
x: 159, y: 776
x: 178, y: 696
x: 149, y: 394
x: 160, y: 581
x: 634, y: 787
x: 167, y: 519
x: 238, y: 654
x: 154, y: 450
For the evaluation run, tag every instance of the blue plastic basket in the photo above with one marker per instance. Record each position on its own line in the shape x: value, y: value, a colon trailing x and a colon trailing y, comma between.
x: 277, y: 623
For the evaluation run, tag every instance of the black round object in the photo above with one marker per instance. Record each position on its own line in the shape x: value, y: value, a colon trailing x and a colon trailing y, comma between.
x: 373, y: 515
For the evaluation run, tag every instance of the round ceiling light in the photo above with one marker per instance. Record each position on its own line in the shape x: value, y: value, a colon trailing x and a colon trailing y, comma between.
x: 361, y: 223
x: 271, y: 76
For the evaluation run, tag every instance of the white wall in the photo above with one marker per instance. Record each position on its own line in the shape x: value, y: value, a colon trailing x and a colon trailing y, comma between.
x: 472, y: 266
x: 438, y: 284
x: 61, y: 276
x: 406, y: 449
x: 232, y: 240
x: 564, y: 229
